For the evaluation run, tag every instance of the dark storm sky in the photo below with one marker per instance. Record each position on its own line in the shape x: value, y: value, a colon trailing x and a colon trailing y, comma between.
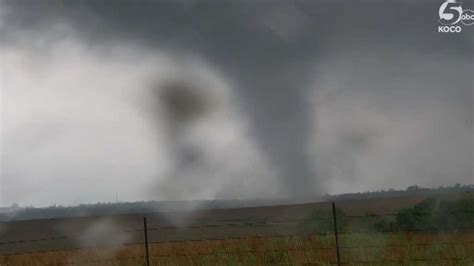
x: 339, y: 95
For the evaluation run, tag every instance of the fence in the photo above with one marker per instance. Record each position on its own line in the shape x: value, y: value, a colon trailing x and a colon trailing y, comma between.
x: 337, y: 249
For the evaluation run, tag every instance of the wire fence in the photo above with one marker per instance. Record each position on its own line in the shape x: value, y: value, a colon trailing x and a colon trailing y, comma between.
x: 338, y: 249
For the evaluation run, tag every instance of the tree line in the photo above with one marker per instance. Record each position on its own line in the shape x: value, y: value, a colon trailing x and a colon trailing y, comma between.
x: 16, y: 212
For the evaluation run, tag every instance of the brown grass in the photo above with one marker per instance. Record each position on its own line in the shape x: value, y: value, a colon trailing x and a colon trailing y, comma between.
x: 356, y: 249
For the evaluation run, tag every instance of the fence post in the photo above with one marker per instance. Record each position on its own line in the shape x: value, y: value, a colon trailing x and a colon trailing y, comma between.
x: 335, y: 233
x: 145, y: 229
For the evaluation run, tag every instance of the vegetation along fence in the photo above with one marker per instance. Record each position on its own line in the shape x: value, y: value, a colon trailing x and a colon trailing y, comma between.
x: 417, y: 235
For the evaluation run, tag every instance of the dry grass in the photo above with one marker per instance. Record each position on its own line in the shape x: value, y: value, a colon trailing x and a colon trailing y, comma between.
x: 356, y: 249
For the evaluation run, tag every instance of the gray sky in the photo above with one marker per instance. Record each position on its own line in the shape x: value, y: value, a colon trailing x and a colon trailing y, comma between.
x: 299, y: 98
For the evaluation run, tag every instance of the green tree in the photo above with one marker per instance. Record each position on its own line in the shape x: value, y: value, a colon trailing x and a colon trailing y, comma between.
x: 417, y: 218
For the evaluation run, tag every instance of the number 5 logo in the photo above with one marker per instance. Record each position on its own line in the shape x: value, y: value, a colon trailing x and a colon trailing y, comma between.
x: 450, y: 12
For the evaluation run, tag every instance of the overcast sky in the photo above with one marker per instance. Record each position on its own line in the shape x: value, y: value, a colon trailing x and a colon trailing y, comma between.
x: 140, y: 100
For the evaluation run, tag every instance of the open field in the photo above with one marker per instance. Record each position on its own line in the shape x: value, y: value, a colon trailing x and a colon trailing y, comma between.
x: 287, y: 234
x: 199, y: 224
x: 356, y: 249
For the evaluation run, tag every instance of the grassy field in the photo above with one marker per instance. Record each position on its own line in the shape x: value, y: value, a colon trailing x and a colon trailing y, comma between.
x: 356, y: 249
x: 427, y: 232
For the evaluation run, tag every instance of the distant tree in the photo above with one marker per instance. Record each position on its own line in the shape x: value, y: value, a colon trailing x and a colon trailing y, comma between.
x: 413, y: 188
x: 449, y: 216
x: 455, y: 215
x: 417, y: 218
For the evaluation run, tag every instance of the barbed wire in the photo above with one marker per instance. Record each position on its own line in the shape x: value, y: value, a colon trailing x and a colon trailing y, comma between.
x: 62, y: 237
x: 254, y: 223
x: 153, y: 242
x: 241, y: 223
x: 241, y: 238
x: 82, y: 262
x: 244, y: 224
x: 239, y: 252
x: 407, y: 260
x: 407, y: 230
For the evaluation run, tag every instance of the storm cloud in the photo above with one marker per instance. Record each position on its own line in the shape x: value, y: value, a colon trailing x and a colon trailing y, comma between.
x: 229, y: 99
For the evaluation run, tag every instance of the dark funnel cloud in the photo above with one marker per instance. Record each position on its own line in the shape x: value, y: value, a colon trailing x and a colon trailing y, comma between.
x: 182, y: 100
